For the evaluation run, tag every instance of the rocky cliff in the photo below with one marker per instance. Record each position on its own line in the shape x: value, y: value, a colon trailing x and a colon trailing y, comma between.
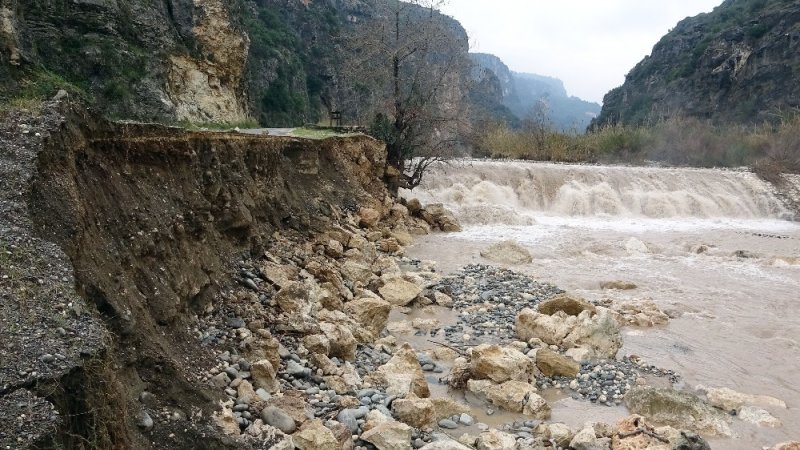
x: 526, y: 95
x: 737, y: 63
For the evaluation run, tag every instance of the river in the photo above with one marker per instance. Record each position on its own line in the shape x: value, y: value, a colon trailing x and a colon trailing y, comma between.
x: 714, y: 248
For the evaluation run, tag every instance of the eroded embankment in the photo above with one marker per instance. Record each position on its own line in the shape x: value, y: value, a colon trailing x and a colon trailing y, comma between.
x: 148, y: 219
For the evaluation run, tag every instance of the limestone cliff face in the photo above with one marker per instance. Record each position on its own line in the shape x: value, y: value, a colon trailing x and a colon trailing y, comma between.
x: 738, y: 63
x: 209, y: 88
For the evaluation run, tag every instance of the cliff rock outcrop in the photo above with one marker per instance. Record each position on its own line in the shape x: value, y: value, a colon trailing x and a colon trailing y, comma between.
x: 737, y: 64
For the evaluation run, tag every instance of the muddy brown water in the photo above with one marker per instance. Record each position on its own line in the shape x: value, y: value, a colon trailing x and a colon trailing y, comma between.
x: 714, y: 248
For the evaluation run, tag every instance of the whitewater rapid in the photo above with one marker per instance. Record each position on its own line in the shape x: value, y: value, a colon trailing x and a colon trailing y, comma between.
x: 715, y: 248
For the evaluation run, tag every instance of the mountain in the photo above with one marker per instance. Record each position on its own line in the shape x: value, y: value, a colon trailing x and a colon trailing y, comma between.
x: 736, y: 64
x: 526, y: 94
x: 275, y: 61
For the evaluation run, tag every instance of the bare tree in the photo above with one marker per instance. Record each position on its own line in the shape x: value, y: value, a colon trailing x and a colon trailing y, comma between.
x: 408, y: 64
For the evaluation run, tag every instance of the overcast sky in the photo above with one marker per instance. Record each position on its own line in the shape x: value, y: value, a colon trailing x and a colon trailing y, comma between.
x: 589, y: 44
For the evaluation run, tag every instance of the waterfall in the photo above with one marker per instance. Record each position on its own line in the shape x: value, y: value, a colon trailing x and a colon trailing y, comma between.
x: 515, y: 192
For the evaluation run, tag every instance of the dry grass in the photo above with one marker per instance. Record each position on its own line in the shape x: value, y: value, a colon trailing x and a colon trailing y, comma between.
x: 676, y: 141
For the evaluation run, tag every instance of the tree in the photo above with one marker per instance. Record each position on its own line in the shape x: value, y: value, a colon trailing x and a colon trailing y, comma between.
x: 407, y: 68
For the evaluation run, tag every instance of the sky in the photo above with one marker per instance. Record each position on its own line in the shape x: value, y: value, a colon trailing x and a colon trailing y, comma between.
x: 588, y: 44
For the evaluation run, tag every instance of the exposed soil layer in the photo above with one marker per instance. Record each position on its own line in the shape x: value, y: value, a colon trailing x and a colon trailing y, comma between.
x: 113, y: 237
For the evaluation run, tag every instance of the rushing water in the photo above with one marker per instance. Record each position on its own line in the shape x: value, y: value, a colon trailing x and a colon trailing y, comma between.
x: 714, y: 247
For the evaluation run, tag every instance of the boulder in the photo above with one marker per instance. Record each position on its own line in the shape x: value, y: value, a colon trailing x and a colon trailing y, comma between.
x: 371, y: 313
x: 355, y: 271
x: 263, y: 375
x: 444, y: 407
x: 342, y: 342
x: 586, y: 440
x: 550, y: 329
x: 794, y: 445
x: 227, y: 422
x: 677, y: 409
x: 730, y: 400
x: 317, y: 343
x: 389, y: 435
x: 294, y: 404
x: 600, y: 333
x: 294, y: 298
x: 315, y: 436
x: 507, y: 252
x: 402, y: 374
x: 758, y: 416
x: 414, y: 411
x: 445, y: 444
x: 368, y: 217
x: 619, y: 285
x: 627, y: 436
x: 496, y: 440
x: 518, y: 397
x: 570, y: 304
x: 279, y: 275
x: 442, y: 299
x: 399, y: 292
x: 499, y: 364
x: 554, y: 364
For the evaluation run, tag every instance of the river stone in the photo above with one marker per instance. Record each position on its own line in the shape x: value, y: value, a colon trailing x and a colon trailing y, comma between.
x: 500, y: 364
x: 507, y: 252
x: 496, y: 440
x: 571, y: 305
x: 553, y: 364
x: 399, y: 292
x: 677, y: 409
x: 402, y: 374
x: 315, y: 436
x: 278, y: 418
x: 389, y: 435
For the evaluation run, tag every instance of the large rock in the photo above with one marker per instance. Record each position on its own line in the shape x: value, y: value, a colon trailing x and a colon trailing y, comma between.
x: 368, y: 217
x: 399, y: 292
x: 599, y: 333
x: 627, y: 435
x: 571, y: 305
x: 371, y: 313
x: 499, y: 364
x: 280, y: 274
x: 315, y: 436
x: 518, y: 397
x: 677, y: 409
x: 389, y: 435
x: 793, y: 445
x: 729, y: 400
x: 586, y: 439
x: 402, y: 374
x: 355, y: 271
x: 443, y: 407
x: 294, y: 298
x: 445, y: 444
x: 550, y: 329
x: 263, y: 375
x: 341, y: 339
x: 758, y: 416
x: 414, y: 411
x: 554, y: 364
x: 496, y: 440
x: 507, y: 252
x: 437, y: 216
